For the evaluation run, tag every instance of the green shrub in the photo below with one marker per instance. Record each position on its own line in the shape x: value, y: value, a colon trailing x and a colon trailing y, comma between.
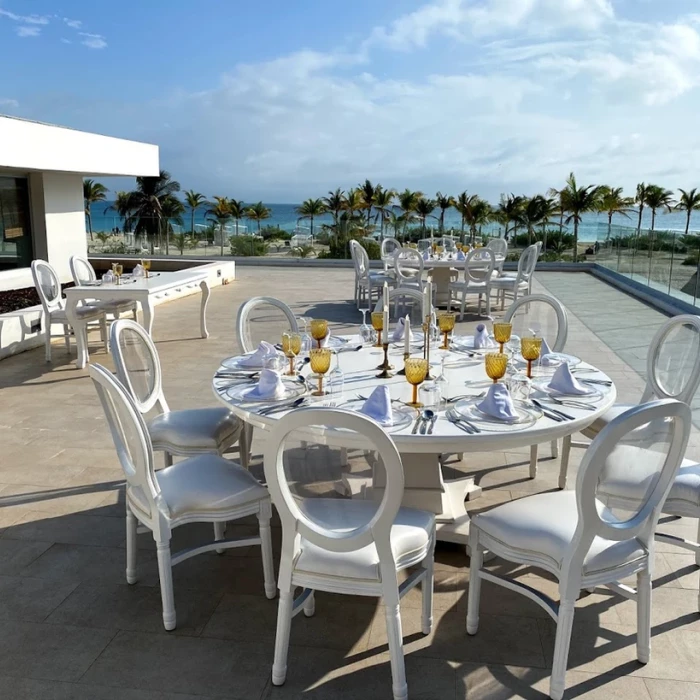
x: 692, y: 259
x: 374, y: 251
x: 246, y: 246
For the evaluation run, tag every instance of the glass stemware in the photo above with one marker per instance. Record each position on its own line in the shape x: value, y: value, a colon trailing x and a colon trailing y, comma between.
x: 416, y: 371
x: 446, y: 323
x: 119, y: 271
x: 530, y: 349
x: 319, y: 329
x: 320, y: 364
x: 378, y: 325
x: 336, y: 378
x: 441, y: 381
x: 501, y: 333
x: 366, y: 331
x: 496, y: 364
x: 291, y: 346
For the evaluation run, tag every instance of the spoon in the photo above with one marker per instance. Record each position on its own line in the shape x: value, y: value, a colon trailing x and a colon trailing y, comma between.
x: 355, y: 349
x: 426, y: 417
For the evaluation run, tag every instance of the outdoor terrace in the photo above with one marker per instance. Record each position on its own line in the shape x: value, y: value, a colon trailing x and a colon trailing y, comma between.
x: 70, y: 626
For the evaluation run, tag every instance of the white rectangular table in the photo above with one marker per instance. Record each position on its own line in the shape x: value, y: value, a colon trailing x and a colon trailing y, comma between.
x: 141, y: 290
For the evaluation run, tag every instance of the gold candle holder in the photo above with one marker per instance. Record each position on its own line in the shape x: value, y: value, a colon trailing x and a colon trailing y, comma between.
x: 446, y: 323
x: 530, y: 349
x: 402, y: 372
x: 378, y: 325
x: 385, y: 366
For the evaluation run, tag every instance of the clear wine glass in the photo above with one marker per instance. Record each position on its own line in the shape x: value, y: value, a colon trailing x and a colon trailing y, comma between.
x: 366, y: 331
x: 336, y: 378
x: 441, y: 381
x: 306, y: 339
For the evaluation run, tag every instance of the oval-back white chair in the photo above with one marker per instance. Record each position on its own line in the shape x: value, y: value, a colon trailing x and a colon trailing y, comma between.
x: 478, y: 272
x: 500, y: 247
x: 520, y: 283
x: 405, y: 301
x: 425, y: 244
x: 83, y: 272
x: 408, y: 268
x: 259, y: 318
x: 355, y: 547
x: 367, y: 282
x: 48, y: 287
x: 388, y: 248
x: 206, y: 488
x: 540, y: 314
x: 185, y: 433
x: 583, y: 544
x: 672, y: 372
x: 447, y: 242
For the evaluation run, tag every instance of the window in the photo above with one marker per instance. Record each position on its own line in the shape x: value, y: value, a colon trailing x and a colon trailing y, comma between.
x: 15, y: 229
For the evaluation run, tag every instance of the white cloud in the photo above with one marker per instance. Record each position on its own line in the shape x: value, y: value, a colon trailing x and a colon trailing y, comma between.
x: 65, y: 41
x: 93, y: 41
x: 73, y: 23
x: 27, y: 19
x: 8, y: 103
x: 24, y: 31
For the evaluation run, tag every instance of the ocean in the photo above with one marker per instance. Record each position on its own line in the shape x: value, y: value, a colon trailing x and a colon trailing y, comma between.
x: 284, y: 216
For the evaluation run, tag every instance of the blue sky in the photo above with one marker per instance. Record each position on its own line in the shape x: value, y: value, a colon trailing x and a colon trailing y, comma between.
x: 284, y: 100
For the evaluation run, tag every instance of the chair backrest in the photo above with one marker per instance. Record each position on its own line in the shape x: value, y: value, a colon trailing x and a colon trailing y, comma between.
x: 48, y: 286
x: 498, y: 245
x: 259, y: 318
x: 296, y: 522
x: 131, y: 439
x: 673, y: 360
x: 447, y: 242
x: 137, y: 364
x: 360, y: 258
x: 405, y: 301
x: 542, y: 315
x: 656, y: 434
x: 389, y: 245
x: 527, y: 263
x: 408, y: 264
x: 81, y: 270
x: 425, y: 244
x: 479, y: 266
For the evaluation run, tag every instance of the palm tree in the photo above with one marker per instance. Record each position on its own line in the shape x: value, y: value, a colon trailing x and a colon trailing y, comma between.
x: 444, y: 202
x: 121, y: 206
x: 334, y: 204
x: 424, y: 209
x: 383, y: 201
x: 236, y: 208
x: 532, y: 214
x: 658, y: 198
x: 172, y: 210
x: 92, y: 192
x: 395, y: 222
x: 579, y: 200
x: 309, y: 209
x: 462, y: 205
x: 258, y: 212
x: 146, y: 204
x: 407, y: 203
x: 558, y: 196
x: 688, y: 202
x: 194, y: 200
x: 641, y: 199
x: 550, y: 207
x: 367, y: 193
x: 509, y: 208
x: 612, y: 202
x: 220, y: 211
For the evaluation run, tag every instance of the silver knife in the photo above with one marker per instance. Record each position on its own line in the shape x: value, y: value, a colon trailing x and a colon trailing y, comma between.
x: 416, y: 424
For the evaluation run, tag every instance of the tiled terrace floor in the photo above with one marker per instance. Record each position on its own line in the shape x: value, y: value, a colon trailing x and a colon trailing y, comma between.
x: 70, y: 627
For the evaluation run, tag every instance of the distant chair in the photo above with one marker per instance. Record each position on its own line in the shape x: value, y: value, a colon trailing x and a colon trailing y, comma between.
x: 449, y: 243
x: 519, y: 284
x: 478, y: 269
x: 404, y: 301
x: 259, y: 317
x: 499, y: 246
x: 388, y: 248
x: 425, y: 244
x: 367, y: 282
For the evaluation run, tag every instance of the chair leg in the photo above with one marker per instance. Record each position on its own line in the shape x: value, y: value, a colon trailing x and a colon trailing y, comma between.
x: 643, y: 616
x: 310, y: 605
x: 697, y: 551
x: 168, y: 459
x: 66, y: 337
x: 266, y: 547
x: 564, y: 467
x: 488, y: 303
x: 476, y: 561
x: 104, y: 335
x: 427, y: 591
x: 561, y: 649
x: 47, y: 341
x: 131, y: 547
x: 395, y: 637
x: 284, y: 625
x: 533, y: 461
x: 219, y: 534
x: 555, y: 449
x: 245, y: 442
x: 165, y: 574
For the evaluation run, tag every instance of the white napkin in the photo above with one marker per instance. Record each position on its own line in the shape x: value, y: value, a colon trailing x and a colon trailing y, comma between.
x: 139, y: 271
x: 269, y: 386
x: 482, y: 339
x: 461, y: 255
x: 399, y: 331
x: 498, y: 403
x: 108, y: 277
x: 326, y: 338
x: 378, y: 406
x: 565, y: 382
x: 426, y: 254
x: 547, y: 357
x: 264, y: 352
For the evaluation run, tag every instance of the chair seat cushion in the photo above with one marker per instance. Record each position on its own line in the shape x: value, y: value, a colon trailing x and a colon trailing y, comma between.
x: 507, y: 283
x: 194, y: 430
x: 410, y: 538
x: 84, y: 313
x: 203, y: 484
x: 543, y: 525
x: 116, y: 305
x: 599, y: 423
x: 469, y: 286
x: 684, y: 497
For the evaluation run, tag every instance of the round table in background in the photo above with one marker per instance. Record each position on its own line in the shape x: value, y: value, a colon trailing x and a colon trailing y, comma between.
x: 441, y: 272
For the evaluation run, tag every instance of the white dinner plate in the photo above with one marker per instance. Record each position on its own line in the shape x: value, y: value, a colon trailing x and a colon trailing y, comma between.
x: 526, y: 415
x: 592, y: 394
x: 236, y: 364
x: 245, y: 393
x: 403, y: 415
x: 559, y: 358
x: 466, y: 342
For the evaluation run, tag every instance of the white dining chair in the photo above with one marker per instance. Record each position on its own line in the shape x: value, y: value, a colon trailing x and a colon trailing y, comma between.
x: 425, y: 244
x: 405, y: 302
x: 579, y: 540
x: 520, y: 283
x: 478, y: 269
x: 259, y: 318
x: 388, y: 248
x: 367, y: 281
x: 499, y: 246
x: 408, y: 268
x: 53, y: 304
x: 206, y: 488
x: 84, y: 273
x: 672, y: 372
x: 184, y: 433
x: 447, y: 242
x: 352, y: 547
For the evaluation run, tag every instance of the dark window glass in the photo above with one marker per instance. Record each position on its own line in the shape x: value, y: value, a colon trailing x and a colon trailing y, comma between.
x: 15, y: 229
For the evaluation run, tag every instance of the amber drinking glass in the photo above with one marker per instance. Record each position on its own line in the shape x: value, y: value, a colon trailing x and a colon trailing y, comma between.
x: 446, y: 323
x: 146, y: 266
x: 319, y: 329
x: 291, y: 346
x: 496, y: 365
x: 378, y: 325
x: 119, y: 271
x: 530, y: 349
x: 320, y: 364
x: 416, y: 371
x: 501, y: 333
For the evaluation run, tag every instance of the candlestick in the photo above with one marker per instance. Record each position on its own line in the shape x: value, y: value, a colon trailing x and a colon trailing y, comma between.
x: 385, y: 297
x: 385, y: 366
x: 402, y: 372
x: 407, y: 335
x: 426, y: 344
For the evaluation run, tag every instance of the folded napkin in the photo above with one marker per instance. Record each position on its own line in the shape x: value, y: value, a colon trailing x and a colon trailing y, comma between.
x: 565, y: 383
x: 264, y: 352
x: 400, y: 330
x: 461, y: 255
x: 269, y: 386
x: 326, y: 338
x: 139, y: 271
x: 498, y: 403
x: 547, y: 357
x: 426, y: 254
x: 378, y: 406
x: 482, y: 339
x: 108, y: 277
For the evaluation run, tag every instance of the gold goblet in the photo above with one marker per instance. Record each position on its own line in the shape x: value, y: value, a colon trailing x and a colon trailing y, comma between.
x: 530, y: 349
x: 291, y: 346
x: 378, y: 325
x: 320, y: 364
x: 119, y: 271
x: 146, y: 266
x: 446, y: 323
x: 496, y: 365
x: 416, y: 371
x: 501, y: 333
x: 319, y: 329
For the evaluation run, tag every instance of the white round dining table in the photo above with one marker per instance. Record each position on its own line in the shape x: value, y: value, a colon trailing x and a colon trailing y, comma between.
x: 441, y: 271
x: 426, y: 486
